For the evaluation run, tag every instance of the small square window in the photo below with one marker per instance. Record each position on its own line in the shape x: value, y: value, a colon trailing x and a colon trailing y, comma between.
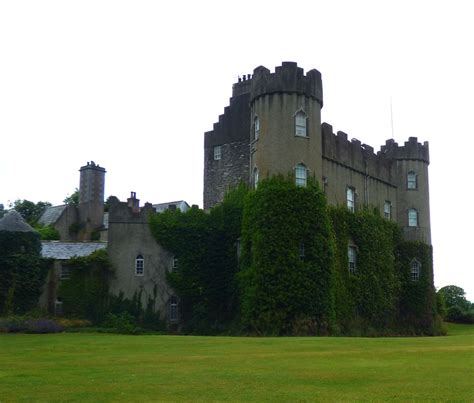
x: 217, y: 153
x: 65, y: 273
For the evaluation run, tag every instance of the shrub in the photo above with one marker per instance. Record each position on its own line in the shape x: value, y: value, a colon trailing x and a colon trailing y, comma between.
x: 19, y: 324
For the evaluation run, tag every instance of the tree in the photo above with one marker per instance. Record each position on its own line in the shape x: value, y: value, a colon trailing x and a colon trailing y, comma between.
x: 2, y: 210
x: 455, y: 296
x: 73, y: 199
x: 29, y: 210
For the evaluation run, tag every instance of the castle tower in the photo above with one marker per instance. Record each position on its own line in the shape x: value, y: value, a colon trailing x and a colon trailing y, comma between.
x: 411, y: 175
x: 91, y: 199
x: 285, y: 112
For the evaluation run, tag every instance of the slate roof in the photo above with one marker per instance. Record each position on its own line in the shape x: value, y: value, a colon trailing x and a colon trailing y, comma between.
x: 52, y: 214
x: 66, y: 250
x: 180, y: 204
x: 14, y: 222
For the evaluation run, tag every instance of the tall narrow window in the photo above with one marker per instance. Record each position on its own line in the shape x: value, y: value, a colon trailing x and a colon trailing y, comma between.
x: 173, y: 309
x: 300, y: 124
x: 301, y: 250
x: 174, y: 266
x: 139, y: 266
x: 415, y: 268
x: 412, y: 218
x: 350, y: 199
x: 352, y: 258
x: 411, y: 180
x: 301, y: 174
x: 217, y: 153
x: 255, y: 177
x: 387, y: 210
x: 256, y: 128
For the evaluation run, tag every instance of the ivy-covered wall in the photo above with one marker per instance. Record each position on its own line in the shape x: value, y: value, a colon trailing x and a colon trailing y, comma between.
x: 286, y: 273
x: 22, y: 271
x: 293, y: 276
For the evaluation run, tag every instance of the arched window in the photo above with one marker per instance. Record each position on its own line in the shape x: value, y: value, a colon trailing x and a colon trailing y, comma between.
x: 350, y: 195
x: 412, y: 217
x: 301, y: 174
x: 255, y: 177
x: 139, y: 266
x: 300, y: 124
x: 352, y: 258
x: 411, y: 180
x: 415, y: 268
x: 173, y: 309
x: 256, y: 128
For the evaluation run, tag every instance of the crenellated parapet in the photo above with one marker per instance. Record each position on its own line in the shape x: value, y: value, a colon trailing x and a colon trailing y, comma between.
x: 354, y: 155
x: 129, y: 211
x: 287, y: 78
x: 411, y: 150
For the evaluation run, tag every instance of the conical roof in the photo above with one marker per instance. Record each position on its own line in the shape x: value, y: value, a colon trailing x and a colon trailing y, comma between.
x: 14, y: 222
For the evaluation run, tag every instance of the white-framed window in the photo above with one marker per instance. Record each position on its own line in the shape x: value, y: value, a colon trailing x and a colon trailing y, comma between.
x: 301, y: 174
x: 412, y: 180
x: 256, y: 127
x: 217, y: 153
x: 175, y: 264
x: 415, y: 268
x: 412, y: 217
x: 301, y: 124
x: 387, y: 210
x: 255, y: 177
x: 65, y: 272
x: 139, y: 266
x: 173, y: 306
x: 350, y: 195
x: 301, y: 250
x: 352, y: 258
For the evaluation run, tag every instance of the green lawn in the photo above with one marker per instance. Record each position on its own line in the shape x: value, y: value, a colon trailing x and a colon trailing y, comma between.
x: 105, y: 367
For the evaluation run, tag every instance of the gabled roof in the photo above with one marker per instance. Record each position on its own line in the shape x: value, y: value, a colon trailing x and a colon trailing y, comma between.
x: 14, y: 222
x: 67, y: 250
x: 180, y: 204
x: 52, y: 214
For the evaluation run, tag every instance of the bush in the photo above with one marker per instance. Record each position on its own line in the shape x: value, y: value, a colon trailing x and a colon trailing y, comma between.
x: 19, y: 324
x: 121, y: 323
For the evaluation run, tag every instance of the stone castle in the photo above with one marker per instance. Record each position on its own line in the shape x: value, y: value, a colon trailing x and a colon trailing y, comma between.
x: 273, y: 126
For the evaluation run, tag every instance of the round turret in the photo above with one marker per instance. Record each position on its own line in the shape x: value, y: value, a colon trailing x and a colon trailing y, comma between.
x: 285, y: 123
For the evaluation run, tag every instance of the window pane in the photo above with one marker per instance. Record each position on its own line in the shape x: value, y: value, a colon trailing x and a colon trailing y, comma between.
x: 412, y: 218
x: 256, y: 127
x: 350, y: 199
x: 411, y: 180
x: 300, y: 124
x: 300, y: 175
x: 217, y: 152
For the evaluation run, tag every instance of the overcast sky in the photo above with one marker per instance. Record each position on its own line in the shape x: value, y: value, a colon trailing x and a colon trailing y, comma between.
x: 134, y: 85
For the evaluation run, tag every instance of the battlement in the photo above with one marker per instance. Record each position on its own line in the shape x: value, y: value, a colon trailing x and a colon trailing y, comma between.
x: 92, y: 166
x: 411, y: 150
x: 242, y: 86
x: 129, y: 211
x: 287, y: 78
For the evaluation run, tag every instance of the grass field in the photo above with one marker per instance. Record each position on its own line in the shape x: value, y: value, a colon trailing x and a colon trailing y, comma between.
x: 105, y: 367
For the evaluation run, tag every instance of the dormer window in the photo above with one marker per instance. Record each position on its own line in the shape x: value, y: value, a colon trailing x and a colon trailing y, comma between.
x: 301, y: 124
x: 256, y: 128
x: 412, y: 180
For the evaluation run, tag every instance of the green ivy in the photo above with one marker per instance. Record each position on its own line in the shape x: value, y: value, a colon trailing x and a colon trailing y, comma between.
x: 205, y: 245
x: 22, y: 271
x: 280, y: 287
